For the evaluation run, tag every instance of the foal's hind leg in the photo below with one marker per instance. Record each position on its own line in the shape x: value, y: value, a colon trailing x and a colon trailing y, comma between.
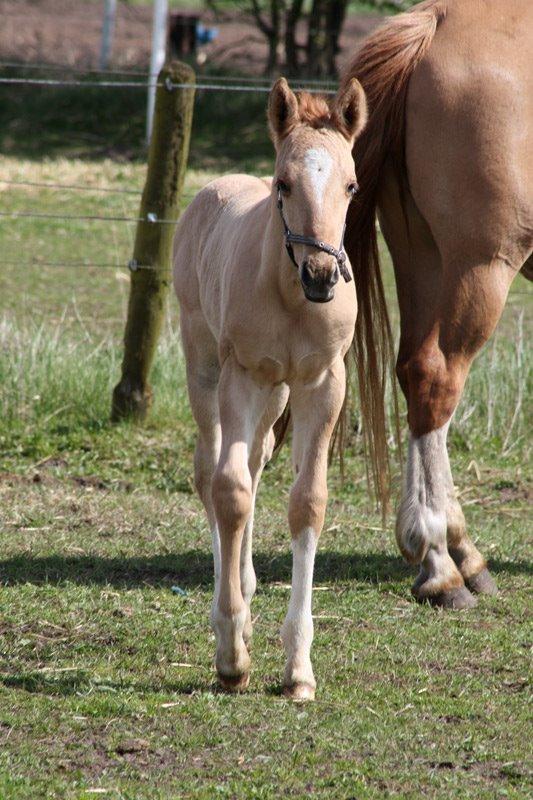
x: 202, y: 380
x: 261, y: 453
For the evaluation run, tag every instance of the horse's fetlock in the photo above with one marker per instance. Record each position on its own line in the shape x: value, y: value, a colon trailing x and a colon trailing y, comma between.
x: 418, y: 527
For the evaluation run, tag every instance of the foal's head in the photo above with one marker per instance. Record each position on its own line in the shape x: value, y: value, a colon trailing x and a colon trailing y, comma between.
x: 315, y: 177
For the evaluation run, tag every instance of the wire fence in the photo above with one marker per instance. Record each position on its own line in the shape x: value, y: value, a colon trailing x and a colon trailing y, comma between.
x: 132, y: 265
x: 150, y: 218
x: 186, y: 194
x: 216, y: 83
x: 170, y: 85
x: 143, y: 74
x: 69, y: 187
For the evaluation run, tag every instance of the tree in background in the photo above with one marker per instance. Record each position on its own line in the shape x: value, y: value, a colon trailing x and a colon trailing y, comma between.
x: 303, y: 35
x: 281, y: 22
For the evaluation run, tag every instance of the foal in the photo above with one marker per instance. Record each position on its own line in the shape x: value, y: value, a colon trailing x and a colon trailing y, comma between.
x: 268, y: 309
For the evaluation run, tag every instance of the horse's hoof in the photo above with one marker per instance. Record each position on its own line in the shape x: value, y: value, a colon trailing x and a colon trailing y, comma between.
x: 234, y: 683
x: 456, y: 598
x: 299, y: 692
x: 482, y: 583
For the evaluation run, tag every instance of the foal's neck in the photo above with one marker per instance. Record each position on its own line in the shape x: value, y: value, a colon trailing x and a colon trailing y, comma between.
x: 277, y: 269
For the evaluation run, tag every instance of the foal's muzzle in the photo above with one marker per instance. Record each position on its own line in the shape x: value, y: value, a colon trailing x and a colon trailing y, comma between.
x: 318, y: 282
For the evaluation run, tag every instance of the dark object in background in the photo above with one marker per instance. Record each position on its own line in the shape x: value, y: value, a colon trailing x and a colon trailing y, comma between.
x: 186, y: 32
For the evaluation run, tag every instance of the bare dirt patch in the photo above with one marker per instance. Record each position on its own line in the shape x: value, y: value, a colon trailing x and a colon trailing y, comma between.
x: 68, y: 32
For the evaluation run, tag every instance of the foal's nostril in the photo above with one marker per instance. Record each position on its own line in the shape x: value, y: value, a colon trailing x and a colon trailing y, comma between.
x: 316, y: 274
x: 305, y: 274
x: 318, y: 279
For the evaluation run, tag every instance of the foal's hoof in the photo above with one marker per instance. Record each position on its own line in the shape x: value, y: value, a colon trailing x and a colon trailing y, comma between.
x: 482, y: 583
x: 299, y: 692
x: 234, y: 683
x: 455, y: 598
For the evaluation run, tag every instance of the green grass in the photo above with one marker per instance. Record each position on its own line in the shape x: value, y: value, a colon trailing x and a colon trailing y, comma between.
x: 106, y: 676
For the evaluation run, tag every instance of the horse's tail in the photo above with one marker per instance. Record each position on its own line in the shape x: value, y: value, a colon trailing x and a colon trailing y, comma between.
x: 383, y: 65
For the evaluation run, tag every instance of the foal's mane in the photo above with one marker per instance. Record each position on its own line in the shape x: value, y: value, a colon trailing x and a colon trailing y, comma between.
x: 316, y: 111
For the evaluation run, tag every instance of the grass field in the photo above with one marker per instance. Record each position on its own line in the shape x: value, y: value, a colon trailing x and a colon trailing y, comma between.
x: 106, y: 678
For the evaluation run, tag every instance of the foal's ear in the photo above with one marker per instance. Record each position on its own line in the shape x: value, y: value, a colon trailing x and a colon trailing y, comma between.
x: 349, y: 109
x: 282, y: 110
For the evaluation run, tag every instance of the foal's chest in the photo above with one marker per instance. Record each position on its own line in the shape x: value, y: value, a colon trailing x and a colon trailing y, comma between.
x: 288, y: 352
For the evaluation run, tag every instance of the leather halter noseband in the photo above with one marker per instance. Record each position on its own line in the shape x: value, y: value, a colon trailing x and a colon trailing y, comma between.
x: 297, y: 238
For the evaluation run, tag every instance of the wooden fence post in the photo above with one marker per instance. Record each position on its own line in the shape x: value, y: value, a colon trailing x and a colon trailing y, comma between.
x: 167, y: 162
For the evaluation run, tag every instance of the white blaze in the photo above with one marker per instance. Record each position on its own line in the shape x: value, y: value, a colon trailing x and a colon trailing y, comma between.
x: 318, y: 165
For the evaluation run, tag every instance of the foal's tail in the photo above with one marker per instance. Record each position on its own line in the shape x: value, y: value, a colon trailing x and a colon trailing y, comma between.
x: 383, y: 66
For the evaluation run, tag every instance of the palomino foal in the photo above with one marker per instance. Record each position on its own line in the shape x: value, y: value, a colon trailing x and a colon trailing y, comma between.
x: 268, y: 309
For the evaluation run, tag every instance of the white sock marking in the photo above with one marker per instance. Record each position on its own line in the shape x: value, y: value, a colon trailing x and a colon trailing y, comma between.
x: 422, y: 515
x: 297, y: 630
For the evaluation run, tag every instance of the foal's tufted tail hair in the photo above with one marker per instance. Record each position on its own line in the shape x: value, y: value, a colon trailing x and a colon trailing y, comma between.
x: 383, y: 66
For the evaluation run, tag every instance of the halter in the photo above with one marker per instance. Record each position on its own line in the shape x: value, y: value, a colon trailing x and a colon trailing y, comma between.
x: 297, y: 238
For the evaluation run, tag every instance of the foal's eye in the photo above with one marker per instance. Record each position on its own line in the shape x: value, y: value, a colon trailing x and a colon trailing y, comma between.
x: 352, y: 188
x: 284, y: 187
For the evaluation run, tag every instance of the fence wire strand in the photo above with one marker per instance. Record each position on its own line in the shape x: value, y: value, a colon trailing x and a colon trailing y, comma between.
x: 70, y: 186
x: 170, y: 85
x: 151, y: 219
x: 140, y: 74
x: 133, y: 267
x: 80, y: 188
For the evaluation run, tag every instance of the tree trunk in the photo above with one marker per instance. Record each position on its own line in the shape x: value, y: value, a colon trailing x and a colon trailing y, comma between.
x: 335, y: 20
x: 292, y: 18
x: 316, y: 40
x: 167, y: 162
x: 324, y: 27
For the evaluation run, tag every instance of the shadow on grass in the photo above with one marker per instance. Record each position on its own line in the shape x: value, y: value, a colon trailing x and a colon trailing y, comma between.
x: 82, y: 683
x: 193, y: 568
x: 190, y: 569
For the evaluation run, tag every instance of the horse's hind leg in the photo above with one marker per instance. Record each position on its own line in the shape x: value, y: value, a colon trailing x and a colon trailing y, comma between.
x: 432, y: 370
x: 261, y: 453
x: 463, y: 551
x: 202, y: 380
x: 448, y: 309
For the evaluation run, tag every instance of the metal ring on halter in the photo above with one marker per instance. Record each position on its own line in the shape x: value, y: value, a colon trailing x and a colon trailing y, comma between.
x: 297, y: 238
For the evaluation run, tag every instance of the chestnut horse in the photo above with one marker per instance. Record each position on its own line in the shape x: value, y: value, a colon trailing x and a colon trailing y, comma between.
x: 268, y: 307
x: 446, y: 161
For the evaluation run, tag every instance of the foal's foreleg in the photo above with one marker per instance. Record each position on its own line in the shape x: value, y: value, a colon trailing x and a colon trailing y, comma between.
x: 242, y: 404
x: 315, y: 409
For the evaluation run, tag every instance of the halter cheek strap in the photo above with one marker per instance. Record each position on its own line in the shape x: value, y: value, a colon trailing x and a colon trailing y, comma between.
x: 297, y: 238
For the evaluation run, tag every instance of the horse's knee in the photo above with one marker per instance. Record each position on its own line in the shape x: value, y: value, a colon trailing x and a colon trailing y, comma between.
x: 307, y: 507
x: 433, y: 385
x: 231, y: 492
